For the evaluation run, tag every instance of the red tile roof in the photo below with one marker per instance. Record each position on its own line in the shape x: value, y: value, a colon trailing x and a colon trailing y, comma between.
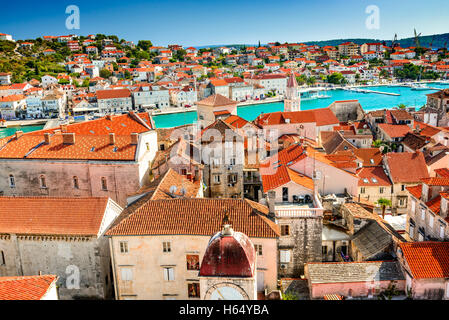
x: 374, y: 175
x: 321, y: 117
x: 217, y: 100
x: 25, y: 287
x: 415, y: 191
x: 51, y: 216
x: 414, y: 171
x: 436, y: 181
x: 394, y: 130
x: 274, y: 171
x: 427, y: 259
x: 196, y: 217
x: 113, y: 94
x: 442, y: 172
x: 88, y: 134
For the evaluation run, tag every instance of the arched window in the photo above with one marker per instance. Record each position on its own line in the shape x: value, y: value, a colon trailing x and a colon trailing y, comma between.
x: 104, y: 184
x: 75, y: 182
x: 12, y: 181
x: 43, y: 181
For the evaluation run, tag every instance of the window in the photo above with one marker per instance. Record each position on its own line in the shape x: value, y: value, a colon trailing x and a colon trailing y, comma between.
x: 403, y: 187
x: 193, y: 262
x: 43, y: 181
x: 194, y: 290
x: 75, y: 182
x: 162, y: 147
x: 104, y: 184
x: 324, y: 250
x: 442, y: 231
x: 12, y: 181
x: 317, y: 175
x: 217, y: 179
x: 123, y: 246
x: 362, y: 190
x: 381, y: 190
x: 258, y: 248
x: 127, y: 274
x: 423, y: 214
x: 169, y: 274
x: 284, y: 256
x: 166, y: 247
x: 233, y: 161
x: 430, y: 221
x: 285, y: 194
x: 2, y: 258
x: 413, y: 205
x: 411, y: 231
x: 148, y: 146
x: 285, y: 230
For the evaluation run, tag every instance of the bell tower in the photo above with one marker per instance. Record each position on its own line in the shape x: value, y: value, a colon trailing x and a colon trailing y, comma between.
x: 292, y: 101
x: 228, y: 269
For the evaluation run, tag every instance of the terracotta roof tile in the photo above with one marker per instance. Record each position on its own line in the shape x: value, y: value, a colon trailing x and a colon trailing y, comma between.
x: 217, y: 100
x: 51, y: 216
x: 25, y: 287
x: 427, y: 259
x: 414, y: 171
x: 197, y: 217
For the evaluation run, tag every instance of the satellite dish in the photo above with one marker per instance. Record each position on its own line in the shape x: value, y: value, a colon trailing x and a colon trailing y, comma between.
x: 365, y: 126
x: 173, y: 189
x: 301, y: 127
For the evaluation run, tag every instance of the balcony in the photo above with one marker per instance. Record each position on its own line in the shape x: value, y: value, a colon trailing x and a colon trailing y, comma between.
x: 313, y: 209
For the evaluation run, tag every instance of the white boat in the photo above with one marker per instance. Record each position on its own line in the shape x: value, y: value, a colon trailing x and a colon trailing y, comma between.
x: 419, y: 86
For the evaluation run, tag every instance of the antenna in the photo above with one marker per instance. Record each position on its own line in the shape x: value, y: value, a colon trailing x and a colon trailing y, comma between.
x: 173, y: 189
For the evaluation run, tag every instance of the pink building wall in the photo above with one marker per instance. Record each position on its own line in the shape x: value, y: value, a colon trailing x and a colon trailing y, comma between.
x: 359, y: 289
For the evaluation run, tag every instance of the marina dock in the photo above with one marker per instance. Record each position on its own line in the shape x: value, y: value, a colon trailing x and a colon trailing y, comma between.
x: 371, y: 91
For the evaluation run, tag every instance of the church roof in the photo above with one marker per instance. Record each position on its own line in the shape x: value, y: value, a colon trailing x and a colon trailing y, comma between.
x: 229, y: 254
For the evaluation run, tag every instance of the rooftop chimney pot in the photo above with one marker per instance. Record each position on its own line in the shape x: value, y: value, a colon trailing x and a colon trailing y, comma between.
x: 68, y: 138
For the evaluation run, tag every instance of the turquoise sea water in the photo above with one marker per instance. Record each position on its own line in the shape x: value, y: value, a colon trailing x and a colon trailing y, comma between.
x: 6, y: 132
x: 369, y: 101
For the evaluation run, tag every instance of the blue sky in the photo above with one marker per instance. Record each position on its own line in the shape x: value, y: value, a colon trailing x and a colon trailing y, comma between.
x: 211, y: 22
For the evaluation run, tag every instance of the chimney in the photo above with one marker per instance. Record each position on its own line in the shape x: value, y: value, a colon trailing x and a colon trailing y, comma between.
x: 109, y: 117
x: 47, y: 138
x: 112, y: 139
x: 134, y: 138
x: 19, y: 134
x: 68, y: 138
x: 63, y: 128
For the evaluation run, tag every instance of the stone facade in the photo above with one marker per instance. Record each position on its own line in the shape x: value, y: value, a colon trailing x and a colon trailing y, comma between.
x: 303, y: 242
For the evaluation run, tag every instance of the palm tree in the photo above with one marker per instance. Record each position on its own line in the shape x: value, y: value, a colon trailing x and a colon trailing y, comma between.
x: 384, y: 203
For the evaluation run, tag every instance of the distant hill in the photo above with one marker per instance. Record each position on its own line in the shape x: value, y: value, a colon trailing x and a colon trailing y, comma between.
x: 439, y: 41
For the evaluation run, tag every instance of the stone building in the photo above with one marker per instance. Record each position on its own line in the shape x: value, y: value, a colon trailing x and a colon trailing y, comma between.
x: 428, y: 210
x: 157, y: 246
x: 107, y: 157
x: 60, y: 236
x: 439, y: 103
x: 223, y: 158
x: 214, y: 107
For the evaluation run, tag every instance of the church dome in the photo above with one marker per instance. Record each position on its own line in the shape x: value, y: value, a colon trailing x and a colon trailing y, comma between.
x: 229, y: 254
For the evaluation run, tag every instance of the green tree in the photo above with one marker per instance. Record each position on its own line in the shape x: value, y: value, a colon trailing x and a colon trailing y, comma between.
x: 384, y: 203
x: 335, y: 78
x: 402, y: 106
x: 144, y: 44
x: 105, y: 73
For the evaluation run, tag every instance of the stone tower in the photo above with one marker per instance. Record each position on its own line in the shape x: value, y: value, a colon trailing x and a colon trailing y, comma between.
x: 228, y: 269
x: 292, y: 101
